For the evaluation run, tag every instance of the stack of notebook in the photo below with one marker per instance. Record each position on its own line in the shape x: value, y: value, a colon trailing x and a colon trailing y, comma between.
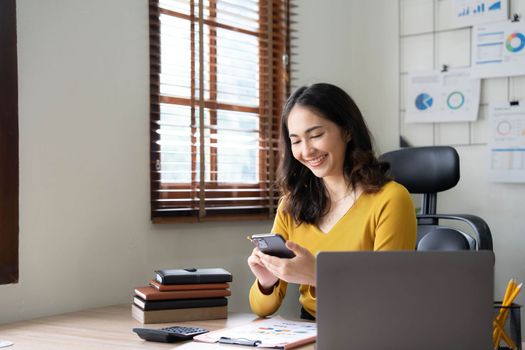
x: 183, y: 295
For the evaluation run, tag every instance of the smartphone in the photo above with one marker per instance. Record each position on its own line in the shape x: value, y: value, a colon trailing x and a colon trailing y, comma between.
x: 272, y: 244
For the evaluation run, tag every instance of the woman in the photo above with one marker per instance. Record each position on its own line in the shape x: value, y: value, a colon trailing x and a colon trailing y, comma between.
x: 336, y: 196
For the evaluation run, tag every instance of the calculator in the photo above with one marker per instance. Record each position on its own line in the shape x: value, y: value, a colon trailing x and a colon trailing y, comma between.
x: 169, y: 334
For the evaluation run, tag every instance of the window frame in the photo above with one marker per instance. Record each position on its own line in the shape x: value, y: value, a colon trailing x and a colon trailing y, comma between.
x: 267, y: 159
x: 9, y: 210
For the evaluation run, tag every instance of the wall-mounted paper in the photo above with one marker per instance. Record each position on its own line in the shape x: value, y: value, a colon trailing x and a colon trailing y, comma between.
x: 498, y: 50
x: 442, y: 97
x: 507, y: 142
x: 470, y: 12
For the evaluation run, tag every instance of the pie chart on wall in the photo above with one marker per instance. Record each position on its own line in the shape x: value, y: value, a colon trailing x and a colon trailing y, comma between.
x: 455, y: 100
x: 424, y: 101
x: 515, y: 42
x: 503, y: 128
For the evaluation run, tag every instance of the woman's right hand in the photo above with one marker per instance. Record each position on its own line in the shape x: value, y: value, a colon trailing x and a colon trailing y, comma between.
x: 264, y: 276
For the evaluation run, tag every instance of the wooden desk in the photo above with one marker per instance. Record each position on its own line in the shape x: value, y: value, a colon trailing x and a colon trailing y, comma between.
x: 105, y: 328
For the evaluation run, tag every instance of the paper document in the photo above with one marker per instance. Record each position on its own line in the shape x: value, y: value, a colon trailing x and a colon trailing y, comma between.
x: 442, y: 97
x: 507, y: 142
x: 498, y: 50
x: 275, y: 332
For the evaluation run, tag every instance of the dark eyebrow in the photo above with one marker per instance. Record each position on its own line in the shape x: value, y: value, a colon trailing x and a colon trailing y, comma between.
x: 309, y: 130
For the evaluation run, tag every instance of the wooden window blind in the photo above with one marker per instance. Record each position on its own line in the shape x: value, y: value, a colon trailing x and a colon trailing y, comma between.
x: 219, y: 78
x: 8, y: 144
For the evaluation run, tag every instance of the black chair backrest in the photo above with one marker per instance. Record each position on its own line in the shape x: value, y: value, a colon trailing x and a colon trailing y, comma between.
x: 427, y: 171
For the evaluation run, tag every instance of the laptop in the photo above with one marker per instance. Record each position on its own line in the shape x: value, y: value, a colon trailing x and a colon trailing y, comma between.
x: 405, y: 300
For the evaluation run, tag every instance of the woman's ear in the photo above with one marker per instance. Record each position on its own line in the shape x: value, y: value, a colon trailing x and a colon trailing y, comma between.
x: 348, y: 137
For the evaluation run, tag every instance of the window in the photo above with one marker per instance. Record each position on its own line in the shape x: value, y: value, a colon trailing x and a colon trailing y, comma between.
x: 8, y: 144
x: 219, y: 78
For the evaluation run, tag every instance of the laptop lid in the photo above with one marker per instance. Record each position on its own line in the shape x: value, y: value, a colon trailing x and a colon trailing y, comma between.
x: 405, y: 300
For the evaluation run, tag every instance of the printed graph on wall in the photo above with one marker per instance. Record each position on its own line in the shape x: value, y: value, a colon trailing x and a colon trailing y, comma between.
x: 498, y: 50
x: 471, y: 12
x: 442, y: 97
x: 507, y: 142
x: 429, y: 39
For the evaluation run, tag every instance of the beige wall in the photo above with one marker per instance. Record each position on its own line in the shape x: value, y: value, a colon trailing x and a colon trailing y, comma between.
x: 85, y: 235
x: 345, y: 43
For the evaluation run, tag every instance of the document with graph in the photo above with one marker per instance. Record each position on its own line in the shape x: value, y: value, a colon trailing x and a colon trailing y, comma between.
x: 451, y: 96
x: 507, y: 141
x: 275, y: 332
x: 471, y: 12
x: 498, y: 50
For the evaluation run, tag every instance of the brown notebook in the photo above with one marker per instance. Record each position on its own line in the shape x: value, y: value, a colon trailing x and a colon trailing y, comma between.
x: 178, y: 303
x: 150, y: 293
x: 200, y: 286
x: 179, y: 315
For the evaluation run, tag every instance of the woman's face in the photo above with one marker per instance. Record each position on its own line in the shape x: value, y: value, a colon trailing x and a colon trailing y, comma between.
x: 317, y: 143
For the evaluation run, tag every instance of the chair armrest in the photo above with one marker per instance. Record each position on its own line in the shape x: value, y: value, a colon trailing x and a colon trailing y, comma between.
x: 478, y: 225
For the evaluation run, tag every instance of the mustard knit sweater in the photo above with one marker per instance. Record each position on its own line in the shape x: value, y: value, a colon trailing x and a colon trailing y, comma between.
x: 379, y: 221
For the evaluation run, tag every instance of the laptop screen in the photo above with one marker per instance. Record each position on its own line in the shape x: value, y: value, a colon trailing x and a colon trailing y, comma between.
x: 405, y: 300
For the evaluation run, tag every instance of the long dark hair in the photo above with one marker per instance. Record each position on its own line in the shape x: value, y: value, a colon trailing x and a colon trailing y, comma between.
x: 305, y: 195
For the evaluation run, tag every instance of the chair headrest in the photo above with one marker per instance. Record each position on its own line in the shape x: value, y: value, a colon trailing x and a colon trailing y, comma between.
x: 424, y: 169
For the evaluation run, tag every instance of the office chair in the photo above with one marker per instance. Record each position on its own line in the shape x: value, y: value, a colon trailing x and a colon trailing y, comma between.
x: 427, y: 171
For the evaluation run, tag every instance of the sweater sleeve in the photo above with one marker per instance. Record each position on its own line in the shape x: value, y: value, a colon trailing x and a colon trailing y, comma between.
x: 264, y: 305
x: 395, y: 220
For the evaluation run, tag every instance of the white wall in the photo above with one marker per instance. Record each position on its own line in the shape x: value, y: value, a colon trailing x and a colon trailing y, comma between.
x: 501, y: 205
x: 85, y: 235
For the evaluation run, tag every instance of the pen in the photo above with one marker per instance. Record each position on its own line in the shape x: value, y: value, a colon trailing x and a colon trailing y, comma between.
x: 239, y: 341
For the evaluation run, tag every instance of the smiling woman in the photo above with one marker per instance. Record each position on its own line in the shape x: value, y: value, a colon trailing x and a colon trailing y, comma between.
x: 336, y: 196
x: 8, y: 144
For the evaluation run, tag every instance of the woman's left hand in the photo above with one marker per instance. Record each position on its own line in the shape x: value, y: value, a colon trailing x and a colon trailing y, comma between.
x: 299, y: 269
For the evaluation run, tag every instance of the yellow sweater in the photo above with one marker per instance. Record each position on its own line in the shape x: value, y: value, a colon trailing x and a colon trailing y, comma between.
x: 379, y: 221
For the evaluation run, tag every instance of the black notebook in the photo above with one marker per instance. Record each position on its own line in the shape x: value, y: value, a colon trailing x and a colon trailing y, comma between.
x: 191, y: 276
x: 178, y: 303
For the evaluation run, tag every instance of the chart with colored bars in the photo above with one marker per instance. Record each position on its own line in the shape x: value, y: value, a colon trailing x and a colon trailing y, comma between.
x: 442, y: 97
x: 480, y: 8
x: 507, y: 143
x: 498, y: 50
x: 472, y: 12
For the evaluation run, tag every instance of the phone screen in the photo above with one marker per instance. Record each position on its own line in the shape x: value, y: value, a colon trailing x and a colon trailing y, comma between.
x: 272, y: 244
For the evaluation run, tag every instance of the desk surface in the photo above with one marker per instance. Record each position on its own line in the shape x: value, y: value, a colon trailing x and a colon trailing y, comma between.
x: 104, y: 328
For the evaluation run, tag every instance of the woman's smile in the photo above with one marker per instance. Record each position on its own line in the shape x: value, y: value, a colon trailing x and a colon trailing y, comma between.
x: 317, y: 162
